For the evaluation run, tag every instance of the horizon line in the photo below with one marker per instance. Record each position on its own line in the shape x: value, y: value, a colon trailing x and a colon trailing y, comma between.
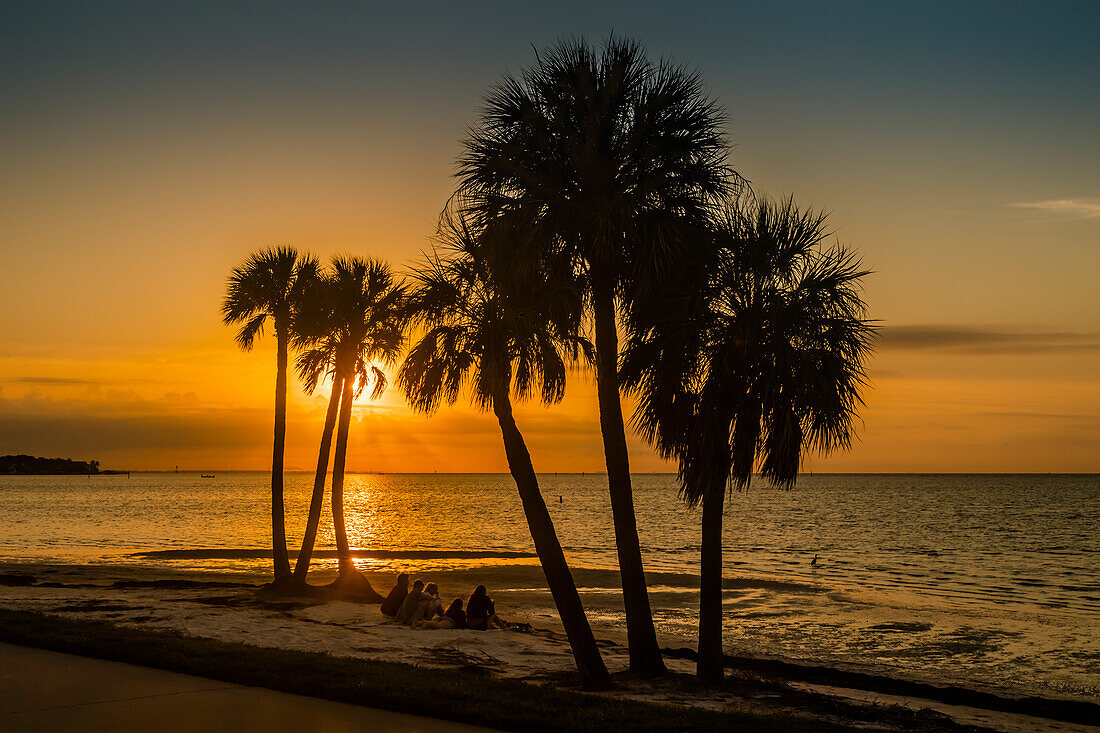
x: 604, y: 473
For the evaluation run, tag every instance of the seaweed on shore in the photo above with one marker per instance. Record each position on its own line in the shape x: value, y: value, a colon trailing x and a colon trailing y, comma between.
x: 1068, y: 711
x: 476, y: 660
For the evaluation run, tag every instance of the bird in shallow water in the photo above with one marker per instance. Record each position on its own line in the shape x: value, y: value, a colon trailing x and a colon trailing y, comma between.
x: 813, y: 563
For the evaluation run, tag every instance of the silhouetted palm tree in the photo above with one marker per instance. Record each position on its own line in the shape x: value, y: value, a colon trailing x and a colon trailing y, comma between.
x: 312, y: 322
x: 764, y: 362
x: 268, y: 286
x: 493, y: 323
x: 605, y: 156
x: 362, y: 326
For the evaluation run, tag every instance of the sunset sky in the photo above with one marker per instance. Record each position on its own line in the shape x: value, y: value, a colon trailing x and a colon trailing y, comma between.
x: 145, y: 151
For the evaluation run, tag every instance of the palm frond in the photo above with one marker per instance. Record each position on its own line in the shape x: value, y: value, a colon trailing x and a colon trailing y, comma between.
x: 314, y: 363
x: 763, y: 360
x: 492, y: 321
x: 603, y: 160
x: 266, y: 285
x: 250, y: 331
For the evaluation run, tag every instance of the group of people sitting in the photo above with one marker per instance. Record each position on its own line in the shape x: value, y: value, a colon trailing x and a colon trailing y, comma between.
x: 421, y: 608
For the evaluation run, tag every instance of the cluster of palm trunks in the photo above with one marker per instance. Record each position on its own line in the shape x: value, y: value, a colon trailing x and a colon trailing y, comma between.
x: 594, y: 201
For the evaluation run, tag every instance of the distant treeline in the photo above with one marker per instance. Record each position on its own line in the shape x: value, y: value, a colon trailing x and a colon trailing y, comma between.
x: 43, y: 466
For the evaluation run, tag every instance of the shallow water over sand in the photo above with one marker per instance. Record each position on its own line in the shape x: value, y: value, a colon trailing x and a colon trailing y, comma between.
x: 986, y: 580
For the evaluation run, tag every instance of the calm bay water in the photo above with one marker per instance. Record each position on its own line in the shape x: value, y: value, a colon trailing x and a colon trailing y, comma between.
x: 991, y: 580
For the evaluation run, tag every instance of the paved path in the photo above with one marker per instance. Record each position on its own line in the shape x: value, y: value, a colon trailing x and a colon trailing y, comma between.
x: 49, y: 691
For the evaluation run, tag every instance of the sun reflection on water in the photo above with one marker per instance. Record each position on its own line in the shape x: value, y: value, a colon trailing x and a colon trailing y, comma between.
x: 365, y: 522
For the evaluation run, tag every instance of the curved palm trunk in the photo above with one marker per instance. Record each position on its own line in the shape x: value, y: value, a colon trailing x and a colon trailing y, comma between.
x: 343, y: 550
x: 301, y: 567
x: 645, y: 655
x: 710, y: 662
x: 590, y: 663
x: 278, y: 520
x: 349, y: 578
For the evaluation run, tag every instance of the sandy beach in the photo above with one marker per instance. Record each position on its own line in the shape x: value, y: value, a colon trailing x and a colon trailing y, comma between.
x: 231, y: 607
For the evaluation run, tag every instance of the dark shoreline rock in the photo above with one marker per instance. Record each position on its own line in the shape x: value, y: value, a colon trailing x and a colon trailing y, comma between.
x: 16, y: 579
x: 178, y: 584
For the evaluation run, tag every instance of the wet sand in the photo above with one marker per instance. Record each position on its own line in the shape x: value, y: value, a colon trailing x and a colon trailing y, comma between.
x: 64, y: 692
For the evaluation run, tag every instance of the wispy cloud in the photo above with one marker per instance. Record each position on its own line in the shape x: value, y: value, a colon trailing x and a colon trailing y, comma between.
x: 1070, y: 208
x: 985, y: 340
x: 72, y: 382
x: 55, y: 381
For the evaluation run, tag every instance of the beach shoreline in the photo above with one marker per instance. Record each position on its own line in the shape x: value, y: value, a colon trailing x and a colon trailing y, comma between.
x: 459, y: 695
x: 229, y: 607
x: 943, y: 602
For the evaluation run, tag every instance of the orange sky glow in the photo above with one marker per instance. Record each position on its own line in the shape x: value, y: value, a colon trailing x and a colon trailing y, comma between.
x: 127, y: 195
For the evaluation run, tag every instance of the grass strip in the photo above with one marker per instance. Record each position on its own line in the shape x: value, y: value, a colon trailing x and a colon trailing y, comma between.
x: 462, y: 696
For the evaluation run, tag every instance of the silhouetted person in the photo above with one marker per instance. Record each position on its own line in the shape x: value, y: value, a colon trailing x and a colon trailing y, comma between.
x: 453, y: 618
x: 397, y: 596
x: 456, y: 614
x: 408, y: 606
x: 429, y: 606
x: 481, y: 611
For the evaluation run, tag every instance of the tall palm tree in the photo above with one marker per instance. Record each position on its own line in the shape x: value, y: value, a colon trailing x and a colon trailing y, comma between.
x: 762, y: 364
x: 605, y: 156
x: 493, y: 323
x: 312, y: 321
x: 268, y: 286
x: 361, y: 330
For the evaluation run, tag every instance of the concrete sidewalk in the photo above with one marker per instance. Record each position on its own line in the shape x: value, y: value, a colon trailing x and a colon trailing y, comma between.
x: 49, y: 691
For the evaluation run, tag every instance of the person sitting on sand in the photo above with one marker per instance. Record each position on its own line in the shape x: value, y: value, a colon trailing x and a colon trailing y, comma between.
x: 456, y: 614
x: 408, y: 606
x: 429, y: 606
x: 397, y: 596
x: 453, y: 618
x: 481, y: 611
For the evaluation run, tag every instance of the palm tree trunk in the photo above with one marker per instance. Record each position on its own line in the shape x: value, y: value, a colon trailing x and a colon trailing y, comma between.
x: 349, y: 580
x: 710, y: 662
x: 278, y: 520
x: 343, y: 550
x: 586, y: 653
x: 301, y: 567
x: 645, y: 655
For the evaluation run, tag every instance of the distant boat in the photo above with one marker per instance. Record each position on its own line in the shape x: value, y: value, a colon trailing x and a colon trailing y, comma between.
x: 206, y: 475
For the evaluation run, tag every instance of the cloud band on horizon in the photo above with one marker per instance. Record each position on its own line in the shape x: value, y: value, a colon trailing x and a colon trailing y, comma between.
x: 1069, y: 208
x: 985, y: 340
